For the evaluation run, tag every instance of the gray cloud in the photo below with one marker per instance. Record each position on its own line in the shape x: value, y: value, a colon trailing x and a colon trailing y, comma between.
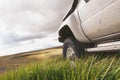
x: 27, y: 19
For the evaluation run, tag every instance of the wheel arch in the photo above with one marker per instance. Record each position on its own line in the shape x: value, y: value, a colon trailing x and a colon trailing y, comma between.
x: 65, y: 32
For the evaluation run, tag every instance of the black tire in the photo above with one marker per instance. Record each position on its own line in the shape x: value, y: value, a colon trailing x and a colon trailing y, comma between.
x: 73, y: 44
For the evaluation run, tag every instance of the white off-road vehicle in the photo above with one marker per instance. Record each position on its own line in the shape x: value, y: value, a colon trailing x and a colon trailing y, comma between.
x: 91, y: 25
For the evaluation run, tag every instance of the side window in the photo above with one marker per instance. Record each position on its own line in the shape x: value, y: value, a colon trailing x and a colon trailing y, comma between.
x: 87, y: 1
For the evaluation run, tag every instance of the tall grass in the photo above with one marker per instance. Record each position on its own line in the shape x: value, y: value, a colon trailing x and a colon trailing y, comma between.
x: 90, y: 67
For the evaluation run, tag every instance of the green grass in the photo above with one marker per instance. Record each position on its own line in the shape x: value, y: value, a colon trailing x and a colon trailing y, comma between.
x: 89, y: 67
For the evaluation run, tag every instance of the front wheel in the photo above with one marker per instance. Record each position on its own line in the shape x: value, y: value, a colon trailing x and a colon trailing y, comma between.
x: 72, y: 49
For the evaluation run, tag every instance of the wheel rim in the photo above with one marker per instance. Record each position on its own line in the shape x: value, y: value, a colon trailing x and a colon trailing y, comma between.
x: 70, y: 54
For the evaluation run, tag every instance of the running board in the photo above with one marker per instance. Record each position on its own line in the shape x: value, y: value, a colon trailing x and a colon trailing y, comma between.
x: 105, y: 47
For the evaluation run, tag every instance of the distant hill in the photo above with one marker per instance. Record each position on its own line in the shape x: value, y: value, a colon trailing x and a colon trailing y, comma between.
x: 13, y: 61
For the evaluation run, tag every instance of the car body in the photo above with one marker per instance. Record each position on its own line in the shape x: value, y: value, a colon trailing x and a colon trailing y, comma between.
x: 93, y: 22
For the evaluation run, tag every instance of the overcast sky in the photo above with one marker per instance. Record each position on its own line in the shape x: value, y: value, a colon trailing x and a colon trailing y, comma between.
x: 27, y: 25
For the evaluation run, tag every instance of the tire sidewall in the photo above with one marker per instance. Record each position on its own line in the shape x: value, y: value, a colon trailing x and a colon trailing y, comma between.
x: 70, y: 42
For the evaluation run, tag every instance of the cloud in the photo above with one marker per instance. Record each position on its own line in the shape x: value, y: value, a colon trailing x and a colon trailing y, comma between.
x: 26, y: 17
x: 22, y: 20
x: 30, y: 45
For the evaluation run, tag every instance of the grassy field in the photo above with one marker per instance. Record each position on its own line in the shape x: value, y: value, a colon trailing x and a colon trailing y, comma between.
x: 17, y: 60
x: 49, y: 65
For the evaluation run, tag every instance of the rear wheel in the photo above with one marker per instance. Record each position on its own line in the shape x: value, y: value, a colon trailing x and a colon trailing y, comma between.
x: 72, y: 49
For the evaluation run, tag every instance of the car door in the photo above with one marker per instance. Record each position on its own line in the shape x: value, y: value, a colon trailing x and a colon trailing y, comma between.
x: 100, y: 18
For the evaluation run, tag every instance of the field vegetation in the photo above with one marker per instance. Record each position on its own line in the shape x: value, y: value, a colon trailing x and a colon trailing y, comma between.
x: 90, y: 66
